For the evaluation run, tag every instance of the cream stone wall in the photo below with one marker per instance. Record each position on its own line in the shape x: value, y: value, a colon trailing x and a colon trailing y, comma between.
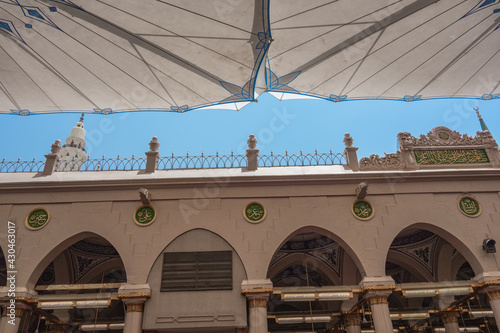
x: 317, y: 199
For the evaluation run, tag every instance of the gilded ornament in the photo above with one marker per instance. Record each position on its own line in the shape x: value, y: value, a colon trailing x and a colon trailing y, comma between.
x: 451, y: 156
x: 469, y: 206
x: 144, y: 215
x: 362, y: 209
x: 254, y: 212
x: 37, y: 219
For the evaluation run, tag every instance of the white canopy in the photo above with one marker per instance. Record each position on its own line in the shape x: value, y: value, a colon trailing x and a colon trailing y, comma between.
x: 109, y: 56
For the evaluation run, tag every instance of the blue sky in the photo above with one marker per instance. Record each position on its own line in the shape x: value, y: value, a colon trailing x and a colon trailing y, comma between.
x: 278, y: 125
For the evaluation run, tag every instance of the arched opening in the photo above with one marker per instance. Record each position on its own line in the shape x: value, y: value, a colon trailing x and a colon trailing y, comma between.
x: 78, y: 289
x: 3, y: 269
x: 311, y: 261
x: 196, y: 286
x: 431, y: 275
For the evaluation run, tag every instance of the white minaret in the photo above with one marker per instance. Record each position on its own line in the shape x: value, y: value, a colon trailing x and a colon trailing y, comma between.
x: 72, y: 154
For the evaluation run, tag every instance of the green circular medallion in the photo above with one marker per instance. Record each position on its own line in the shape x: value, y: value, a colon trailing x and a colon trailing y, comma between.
x: 37, y: 218
x: 469, y: 206
x: 144, y: 215
x: 254, y: 212
x: 363, y: 209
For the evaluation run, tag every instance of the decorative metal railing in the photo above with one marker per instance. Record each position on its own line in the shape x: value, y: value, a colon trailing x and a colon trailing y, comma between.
x: 202, y: 162
x: 301, y: 159
x: 179, y: 162
x: 104, y: 164
x: 21, y: 166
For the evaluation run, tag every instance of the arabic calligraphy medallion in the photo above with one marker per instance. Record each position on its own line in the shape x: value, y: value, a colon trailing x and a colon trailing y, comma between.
x: 37, y: 219
x: 469, y: 206
x: 144, y: 215
x: 254, y: 212
x: 362, y: 209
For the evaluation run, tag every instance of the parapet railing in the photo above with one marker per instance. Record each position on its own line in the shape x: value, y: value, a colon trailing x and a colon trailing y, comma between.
x: 178, y: 162
x: 301, y: 159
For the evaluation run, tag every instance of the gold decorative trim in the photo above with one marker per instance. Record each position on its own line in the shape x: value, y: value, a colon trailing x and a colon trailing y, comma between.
x: 494, y: 294
x: 363, y: 218
x: 135, y: 295
x: 31, y: 212
x: 377, y: 299
x: 135, y: 307
x: 254, y: 221
x: 352, y: 319
x: 449, y: 317
x: 257, y: 302
x: 144, y: 224
x: 371, y: 288
x: 18, y: 312
x: 256, y: 291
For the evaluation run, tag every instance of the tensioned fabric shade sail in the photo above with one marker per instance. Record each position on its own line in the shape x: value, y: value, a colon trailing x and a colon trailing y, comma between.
x: 108, y: 56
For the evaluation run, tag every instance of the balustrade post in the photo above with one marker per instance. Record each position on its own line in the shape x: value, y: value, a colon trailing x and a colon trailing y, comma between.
x: 252, y: 153
x: 350, y: 153
x: 52, y: 158
x: 152, y: 155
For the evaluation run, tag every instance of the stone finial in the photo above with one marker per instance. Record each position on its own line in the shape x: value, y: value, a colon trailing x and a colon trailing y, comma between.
x: 477, y: 111
x: 81, y: 118
x: 252, y: 141
x: 56, y: 147
x: 348, y: 140
x: 154, y: 145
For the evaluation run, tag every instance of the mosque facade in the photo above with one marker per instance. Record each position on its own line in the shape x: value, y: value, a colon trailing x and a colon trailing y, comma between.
x: 307, y: 243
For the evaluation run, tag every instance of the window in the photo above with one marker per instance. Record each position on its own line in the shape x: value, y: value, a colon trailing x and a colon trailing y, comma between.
x: 184, y: 271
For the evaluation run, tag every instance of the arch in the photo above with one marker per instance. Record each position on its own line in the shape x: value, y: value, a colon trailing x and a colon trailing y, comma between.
x: 186, y: 232
x: 3, y: 268
x: 298, y: 259
x: 329, y: 234
x: 103, y: 269
x: 53, y: 253
x: 449, y: 237
x: 410, y: 265
x: 213, y: 267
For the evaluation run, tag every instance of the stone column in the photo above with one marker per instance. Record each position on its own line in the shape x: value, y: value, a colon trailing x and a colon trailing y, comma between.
x: 352, y: 322
x: 257, y: 293
x: 133, y: 315
x: 494, y: 295
x: 376, y: 291
x: 450, y: 320
x: 13, y: 316
x: 134, y: 297
x: 491, y: 286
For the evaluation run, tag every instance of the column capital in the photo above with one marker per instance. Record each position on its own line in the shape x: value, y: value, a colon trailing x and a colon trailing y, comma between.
x: 352, y: 319
x: 450, y: 316
x: 256, y: 287
x: 488, y: 278
x: 134, y: 291
x: 377, y: 289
